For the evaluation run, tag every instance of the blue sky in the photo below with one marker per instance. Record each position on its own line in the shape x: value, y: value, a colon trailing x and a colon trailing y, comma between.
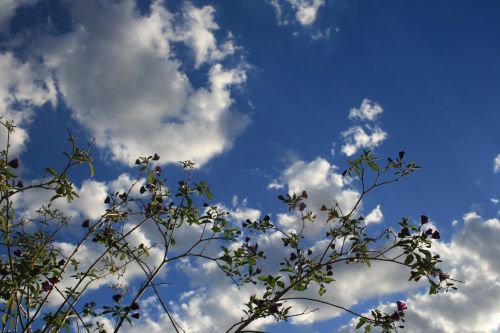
x: 270, y: 95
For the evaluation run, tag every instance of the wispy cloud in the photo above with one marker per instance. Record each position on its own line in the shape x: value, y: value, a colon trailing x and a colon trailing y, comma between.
x: 303, y: 11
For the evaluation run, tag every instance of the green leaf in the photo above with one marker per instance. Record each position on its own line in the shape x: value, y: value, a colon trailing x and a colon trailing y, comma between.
x: 374, y: 166
x: 51, y: 171
x: 361, y: 322
x: 122, y: 256
x: 327, y: 280
x: 4, y: 319
x: 91, y: 168
x: 4, y: 223
x: 299, y: 287
x: 151, y: 176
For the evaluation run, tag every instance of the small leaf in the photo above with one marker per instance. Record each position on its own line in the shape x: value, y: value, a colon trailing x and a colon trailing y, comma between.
x: 374, y: 166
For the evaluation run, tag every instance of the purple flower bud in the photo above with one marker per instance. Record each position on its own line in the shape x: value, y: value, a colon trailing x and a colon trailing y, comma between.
x: 158, y: 169
x: 424, y: 219
x: 46, y: 286
x: 136, y: 315
x: 20, y: 184
x: 443, y: 276
x: 14, y: 163
x: 53, y: 280
x: 395, y: 316
x: 401, y: 305
x: 258, y: 270
x: 117, y: 298
x: 18, y: 253
x: 134, y: 306
x: 156, y: 157
x: 302, y: 206
x: 435, y: 235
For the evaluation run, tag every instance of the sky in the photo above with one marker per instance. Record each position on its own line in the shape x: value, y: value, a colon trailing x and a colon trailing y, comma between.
x: 270, y: 97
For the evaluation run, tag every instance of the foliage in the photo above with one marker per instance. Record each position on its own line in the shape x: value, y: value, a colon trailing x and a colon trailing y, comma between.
x: 34, y: 269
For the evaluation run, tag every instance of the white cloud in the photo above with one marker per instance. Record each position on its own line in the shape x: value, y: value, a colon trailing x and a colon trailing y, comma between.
x: 375, y: 216
x: 356, y: 138
x: 369, y: 134
x: 305, y: 11
x: 323, y: 186
x: 367, y: 111
x: 197, y: 32
x: 472, y: 256
x: 496, y: 164
x: 494, y: 200
x: 122, y: 79
x: 23, y: 87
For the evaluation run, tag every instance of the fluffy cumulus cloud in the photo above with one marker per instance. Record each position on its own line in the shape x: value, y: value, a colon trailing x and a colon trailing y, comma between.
x: 89, y: 205
x: 323, y: 185
x: 471, y: 256
x: 304, y: 11
x: 496, y: 164
x: 367, y: 133
x: 120, y: 76
x: 375, y: 216
x: 23, y: 87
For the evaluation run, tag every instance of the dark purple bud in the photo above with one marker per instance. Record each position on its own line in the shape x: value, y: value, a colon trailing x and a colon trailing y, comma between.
x: 137, y: 161
x: 136, y: 315
x: 258, y: 270
x: 424, y: 219
x: 107, y: 200
x: 309, y: 252
x: 134, y: 306
x: 304, y: 194
x: 117, y: 297
x: 404, y: 232
x: 46, y: 286
x: 20, y: 184
x: 14, y: 163
x: 435, y: 235
x: 18, y: 253
x: 443, y: 276
x: 53, y: 280
x: 86, y: 223
x: 156, y: 157
x: 329, y: 273
x: 61, y: 262
x: 401, y: 154
x: 395, y: 316
x: 302, y: 206
x: 274, y: 307
x: 142, y: 190
x: 323, y: 208
x: 158, y: 169
x: 401, y: 305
